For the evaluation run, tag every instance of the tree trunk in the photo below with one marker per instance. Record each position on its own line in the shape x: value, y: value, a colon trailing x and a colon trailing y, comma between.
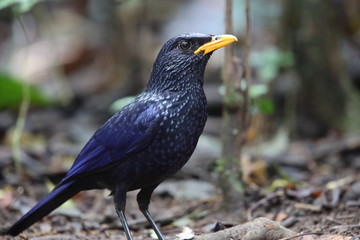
x: 235, y: 108
x: 313, y: 31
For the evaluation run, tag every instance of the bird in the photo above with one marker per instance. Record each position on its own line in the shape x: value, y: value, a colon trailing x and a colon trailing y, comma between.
x: 146, y: 141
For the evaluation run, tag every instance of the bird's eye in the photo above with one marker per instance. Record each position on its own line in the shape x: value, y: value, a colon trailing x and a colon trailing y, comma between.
x: 184, y: 45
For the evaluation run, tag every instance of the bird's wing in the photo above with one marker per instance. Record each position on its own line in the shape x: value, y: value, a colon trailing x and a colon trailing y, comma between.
x: 127, y: 132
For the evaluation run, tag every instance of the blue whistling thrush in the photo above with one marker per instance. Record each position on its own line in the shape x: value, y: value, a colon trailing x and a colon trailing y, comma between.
x: 149, y: 139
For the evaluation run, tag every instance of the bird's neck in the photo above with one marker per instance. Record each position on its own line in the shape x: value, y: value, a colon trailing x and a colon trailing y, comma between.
x: 184, y: 84
x: 170, y: 80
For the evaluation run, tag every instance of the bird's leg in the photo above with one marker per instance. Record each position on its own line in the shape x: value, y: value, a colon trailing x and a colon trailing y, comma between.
x: 120, y: 202
x: 143, y: 199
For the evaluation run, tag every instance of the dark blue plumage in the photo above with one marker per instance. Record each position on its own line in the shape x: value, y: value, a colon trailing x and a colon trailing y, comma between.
x: 145, y: 142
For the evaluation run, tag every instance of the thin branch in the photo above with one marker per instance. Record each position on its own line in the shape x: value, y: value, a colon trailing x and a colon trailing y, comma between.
x: 229, y: 52
x: 20, y: 122
x: 246, y: 110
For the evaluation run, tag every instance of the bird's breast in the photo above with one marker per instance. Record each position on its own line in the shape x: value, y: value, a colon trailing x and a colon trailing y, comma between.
x: 183, y: 122
x: 181, y: 126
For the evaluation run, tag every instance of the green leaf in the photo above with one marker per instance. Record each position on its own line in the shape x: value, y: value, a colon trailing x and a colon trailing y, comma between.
x: 257, y: 90
x: 6, y: 3
x: 266, y: 106
x: 20, y: 6
x: 11, y: 93
x: 269, y: 61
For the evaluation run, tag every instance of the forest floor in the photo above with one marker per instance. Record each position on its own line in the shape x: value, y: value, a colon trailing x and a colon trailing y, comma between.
x: 312, y: 187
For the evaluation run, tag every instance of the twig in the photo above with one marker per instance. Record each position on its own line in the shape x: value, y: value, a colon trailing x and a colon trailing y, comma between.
x: 302, y: 234
x: 309, y: 207
x: 346, y: 226
x: 261, y: 202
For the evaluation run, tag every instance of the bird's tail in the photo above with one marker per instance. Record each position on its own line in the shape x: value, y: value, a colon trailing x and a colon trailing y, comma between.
x: 58, y: 196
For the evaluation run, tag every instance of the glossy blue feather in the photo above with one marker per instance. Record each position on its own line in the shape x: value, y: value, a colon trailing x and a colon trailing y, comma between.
x: 127, y: 132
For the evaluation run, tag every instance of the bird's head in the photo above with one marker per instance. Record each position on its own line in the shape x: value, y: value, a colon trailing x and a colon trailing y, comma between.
x: 181, y: 61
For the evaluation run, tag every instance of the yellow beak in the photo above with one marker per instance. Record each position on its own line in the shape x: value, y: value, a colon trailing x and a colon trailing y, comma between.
x: 216, y: 43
